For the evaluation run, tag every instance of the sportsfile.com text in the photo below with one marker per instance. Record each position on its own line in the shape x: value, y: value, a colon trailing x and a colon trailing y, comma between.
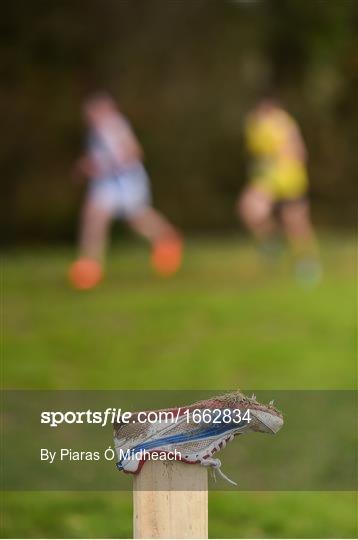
x: 112, y: 416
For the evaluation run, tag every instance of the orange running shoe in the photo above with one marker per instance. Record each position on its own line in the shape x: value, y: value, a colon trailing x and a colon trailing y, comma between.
x: 85, y: 274
x: 167, y: 256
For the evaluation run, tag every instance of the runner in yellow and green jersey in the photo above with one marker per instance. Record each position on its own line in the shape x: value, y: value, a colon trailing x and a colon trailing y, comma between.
x: 277, y: 192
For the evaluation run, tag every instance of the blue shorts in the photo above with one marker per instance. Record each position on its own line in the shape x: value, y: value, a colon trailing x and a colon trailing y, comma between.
x: 124, y: 194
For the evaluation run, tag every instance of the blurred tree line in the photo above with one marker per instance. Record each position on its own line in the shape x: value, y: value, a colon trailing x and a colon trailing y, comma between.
x: 185, y: 72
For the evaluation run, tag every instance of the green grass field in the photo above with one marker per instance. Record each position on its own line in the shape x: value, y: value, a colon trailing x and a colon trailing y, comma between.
x: 223, y: 322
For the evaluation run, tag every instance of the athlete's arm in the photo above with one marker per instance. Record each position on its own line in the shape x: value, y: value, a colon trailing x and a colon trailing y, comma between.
x: 84, y: 168
x: 130, y: 147
x: 122, y: 143
x: 295, y: 146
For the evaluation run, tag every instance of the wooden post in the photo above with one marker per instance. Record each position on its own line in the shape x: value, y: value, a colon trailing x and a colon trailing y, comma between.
x: 170, y: 500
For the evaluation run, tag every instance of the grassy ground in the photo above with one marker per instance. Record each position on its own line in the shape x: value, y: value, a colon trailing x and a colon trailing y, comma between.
x: 223, y: 322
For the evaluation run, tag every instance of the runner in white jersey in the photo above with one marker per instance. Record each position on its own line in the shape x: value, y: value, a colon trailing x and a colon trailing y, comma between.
x: 118, y: 188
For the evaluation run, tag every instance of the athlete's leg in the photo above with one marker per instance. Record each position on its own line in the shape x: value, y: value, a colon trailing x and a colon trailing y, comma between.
x: 256, y: 210
x: 152, y: 225
x: 297, y: 224
x: 165, y: 239
x: 94, y: 227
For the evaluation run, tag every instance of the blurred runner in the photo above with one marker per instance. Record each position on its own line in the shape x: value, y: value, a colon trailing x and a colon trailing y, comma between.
x: 277, y: 191
x: 118, y: 188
